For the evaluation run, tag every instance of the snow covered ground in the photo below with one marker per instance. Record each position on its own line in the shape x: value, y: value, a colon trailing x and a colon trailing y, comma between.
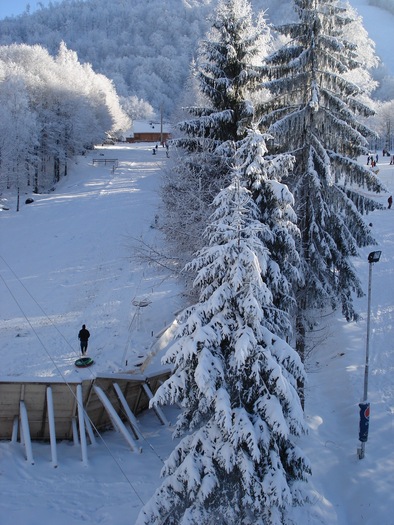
x: 72, y: 257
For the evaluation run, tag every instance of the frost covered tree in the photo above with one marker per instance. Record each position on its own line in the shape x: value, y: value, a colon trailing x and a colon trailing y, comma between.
x: 227, y: 74
x: 384, y: 124
x: 144, y: 46
x: 235, y: 380
x: 315, y: 114
x: 263, y: 175
x: 355, y: 33
x: 52, y: 109
x: 137, y: 109
x: 18, y: 131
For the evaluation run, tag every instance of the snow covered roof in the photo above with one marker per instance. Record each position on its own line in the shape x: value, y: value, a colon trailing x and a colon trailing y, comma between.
x: 148, y: 126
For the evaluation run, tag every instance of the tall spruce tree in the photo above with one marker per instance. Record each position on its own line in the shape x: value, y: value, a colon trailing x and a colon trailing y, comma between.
x: 236, y: 381
x: 314, y: 114
x: 263, y: 176
x: 227, y: 76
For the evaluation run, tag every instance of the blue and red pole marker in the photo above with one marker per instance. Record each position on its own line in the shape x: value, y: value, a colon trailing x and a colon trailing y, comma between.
x: 364, y: 421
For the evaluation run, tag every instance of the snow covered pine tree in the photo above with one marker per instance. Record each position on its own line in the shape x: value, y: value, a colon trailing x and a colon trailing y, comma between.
x: 237, y: 462
x: 263, y: 175
x: 229, y: 74
x: 314, y: 114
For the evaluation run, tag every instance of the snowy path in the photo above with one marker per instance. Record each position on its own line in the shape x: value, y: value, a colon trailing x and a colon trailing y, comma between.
x: 82, y: 268
x: 70, y: 258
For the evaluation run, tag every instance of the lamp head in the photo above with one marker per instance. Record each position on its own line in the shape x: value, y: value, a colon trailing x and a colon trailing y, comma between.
x: 374, y: 256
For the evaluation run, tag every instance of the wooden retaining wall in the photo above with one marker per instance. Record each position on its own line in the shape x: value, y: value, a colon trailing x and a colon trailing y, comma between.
x: 31, y: 397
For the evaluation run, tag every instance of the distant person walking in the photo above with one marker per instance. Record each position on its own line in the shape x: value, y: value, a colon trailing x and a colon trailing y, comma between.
x: 83, y: 336
x: 390, y: 201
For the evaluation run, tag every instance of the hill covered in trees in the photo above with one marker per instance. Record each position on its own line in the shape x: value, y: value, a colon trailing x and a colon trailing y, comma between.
x: 144, y: 46
x: 52, y: 109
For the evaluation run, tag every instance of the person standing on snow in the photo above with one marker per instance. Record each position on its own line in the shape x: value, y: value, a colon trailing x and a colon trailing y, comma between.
x: 83, y: 336
x: 390, y: 201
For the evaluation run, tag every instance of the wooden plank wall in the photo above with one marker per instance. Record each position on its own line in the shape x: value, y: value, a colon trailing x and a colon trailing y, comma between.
x: 33, y: 393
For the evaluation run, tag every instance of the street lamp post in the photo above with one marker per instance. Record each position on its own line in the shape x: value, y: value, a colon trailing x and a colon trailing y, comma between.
x: 373, y: 257
x: 161, y: 125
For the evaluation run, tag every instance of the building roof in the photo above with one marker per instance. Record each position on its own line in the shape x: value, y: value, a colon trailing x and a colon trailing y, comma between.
x: 148, y: 126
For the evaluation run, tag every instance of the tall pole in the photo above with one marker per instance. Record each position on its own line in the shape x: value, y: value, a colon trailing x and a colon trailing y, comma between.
x: 366, y: 370
x: 365, y: 405
x: 161, y: 125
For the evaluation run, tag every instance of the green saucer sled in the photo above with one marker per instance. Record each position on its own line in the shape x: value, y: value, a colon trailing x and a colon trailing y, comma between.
x: 83, y: 362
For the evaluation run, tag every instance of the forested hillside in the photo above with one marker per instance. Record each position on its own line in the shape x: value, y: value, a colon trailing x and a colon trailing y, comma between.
x: 144, y: 46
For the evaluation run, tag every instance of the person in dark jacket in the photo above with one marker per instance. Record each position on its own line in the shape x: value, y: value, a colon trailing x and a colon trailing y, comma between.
x: 390, y: 201
x: 83, y: 336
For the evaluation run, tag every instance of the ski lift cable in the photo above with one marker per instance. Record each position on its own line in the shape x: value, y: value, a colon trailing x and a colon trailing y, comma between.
x: 52, y: 360
x: 60, y: 372
x: 42, y: 311
x: 36, y: 302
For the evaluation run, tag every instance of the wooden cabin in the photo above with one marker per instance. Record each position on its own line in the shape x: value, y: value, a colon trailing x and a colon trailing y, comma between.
x: 149, y: 131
